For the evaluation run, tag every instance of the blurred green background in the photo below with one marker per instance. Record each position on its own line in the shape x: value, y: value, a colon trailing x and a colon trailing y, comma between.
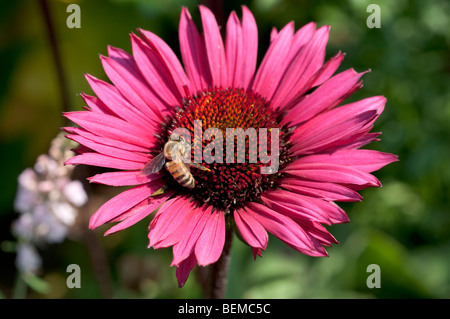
x: 403, y: 227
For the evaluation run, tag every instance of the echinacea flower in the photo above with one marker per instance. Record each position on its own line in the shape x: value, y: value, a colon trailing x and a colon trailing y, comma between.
x: 293, y: 92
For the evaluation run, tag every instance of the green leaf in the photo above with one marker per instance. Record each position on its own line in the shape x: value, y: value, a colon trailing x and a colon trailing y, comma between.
x: 36, y: 283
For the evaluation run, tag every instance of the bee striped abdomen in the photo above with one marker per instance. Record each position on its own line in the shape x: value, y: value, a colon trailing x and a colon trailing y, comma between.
x: 181, y: 174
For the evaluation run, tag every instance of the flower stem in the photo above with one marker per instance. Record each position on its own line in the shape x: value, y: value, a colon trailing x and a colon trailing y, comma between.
x: 57, y: 59
x: 20, y: 287
x: 219, y: 269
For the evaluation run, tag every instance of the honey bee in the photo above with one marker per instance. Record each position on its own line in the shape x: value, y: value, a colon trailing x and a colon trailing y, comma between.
x: 177, y: 153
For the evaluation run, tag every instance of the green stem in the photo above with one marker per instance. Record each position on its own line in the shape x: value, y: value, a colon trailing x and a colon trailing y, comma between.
x: 57, y: 60
x: 20, y: 287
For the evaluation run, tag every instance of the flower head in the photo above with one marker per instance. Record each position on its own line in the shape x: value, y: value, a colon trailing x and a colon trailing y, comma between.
x: 301, y: 149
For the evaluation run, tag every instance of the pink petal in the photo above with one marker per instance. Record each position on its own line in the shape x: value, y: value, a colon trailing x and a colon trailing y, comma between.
x: 273, y: 34
x: 101, y: 160
x: 274, y: 63
x: 96, y: 105
x: 191, y: 231
x: 301, y: 38
x: 323, y: 190
x: 214, y: 48
x: 324, y: 97
x: 282, y: 227
x: 328, y: 69
x: 331, y: 173
x: 250, y: 47
x: 123, y: 202
x: 250, y: 229
x: 330, y: 129
x: 234, y: 49
x: 133, y: 216
x: 104, y: 140
x: 155, y: 71
x: 156, y: 107
x: 80, y: 150
x: 166, y: 209
x: 317, y: 251
x: 193, y: 53
x: 110, y: 150
x: 210, y: 244
x: 295, y: 207
x: 132, y: 211
x: 319, y: 232
x: 112, y: 127
x: 329, y: 133
x: 313, y: 209
x: 356, y: 141
x: 364, y: 160
x: 125, y: 178
x: 163, y: 230
x: 111, y: 96
x: 301, y: 69
x: 241, y: 49
x: 133, y: 89
x: 256, y: 252
x: 184, y: 269
x: 170, y: 59
x: 323, y: 74
x: 336, y: 214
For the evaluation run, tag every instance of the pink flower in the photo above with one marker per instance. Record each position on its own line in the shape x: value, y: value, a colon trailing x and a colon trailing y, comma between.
x: 293, y: 92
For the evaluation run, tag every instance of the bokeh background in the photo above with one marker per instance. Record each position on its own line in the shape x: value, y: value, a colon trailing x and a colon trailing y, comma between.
x: 404, y: 227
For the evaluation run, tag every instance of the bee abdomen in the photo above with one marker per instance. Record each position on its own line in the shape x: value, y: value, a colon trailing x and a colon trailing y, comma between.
x: 187, y: 181
x: 181, y: 174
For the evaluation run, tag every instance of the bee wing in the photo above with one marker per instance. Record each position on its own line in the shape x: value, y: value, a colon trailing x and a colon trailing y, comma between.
x: 154, y: 165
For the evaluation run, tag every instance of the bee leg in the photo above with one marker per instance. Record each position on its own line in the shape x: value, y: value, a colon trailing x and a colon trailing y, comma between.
x: 201, y: 167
